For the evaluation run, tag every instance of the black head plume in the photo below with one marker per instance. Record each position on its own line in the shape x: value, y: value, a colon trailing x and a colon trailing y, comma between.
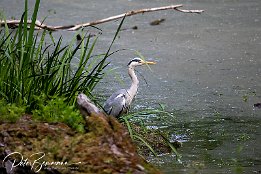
x: 136, y: 59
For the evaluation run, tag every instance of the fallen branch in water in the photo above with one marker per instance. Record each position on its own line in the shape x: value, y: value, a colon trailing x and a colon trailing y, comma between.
x: 39, y: 25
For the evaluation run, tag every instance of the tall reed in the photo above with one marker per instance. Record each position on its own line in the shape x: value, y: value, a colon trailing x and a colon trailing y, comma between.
x: 28, y: 68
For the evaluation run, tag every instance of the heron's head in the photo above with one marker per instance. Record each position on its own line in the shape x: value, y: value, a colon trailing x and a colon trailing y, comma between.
x: 138, y: 61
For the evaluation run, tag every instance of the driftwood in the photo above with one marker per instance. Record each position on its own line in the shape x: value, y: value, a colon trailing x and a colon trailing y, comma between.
x: 86, y: 107
x: 39, y: 25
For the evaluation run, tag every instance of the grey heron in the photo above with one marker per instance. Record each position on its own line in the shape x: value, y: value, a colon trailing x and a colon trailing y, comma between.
x: 119, y: 102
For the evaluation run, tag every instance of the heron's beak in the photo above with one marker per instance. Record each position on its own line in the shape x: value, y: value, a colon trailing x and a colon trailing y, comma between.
x: 148, y: 62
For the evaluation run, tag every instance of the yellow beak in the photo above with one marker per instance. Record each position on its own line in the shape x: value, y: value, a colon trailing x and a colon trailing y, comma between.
x: 148, y: 62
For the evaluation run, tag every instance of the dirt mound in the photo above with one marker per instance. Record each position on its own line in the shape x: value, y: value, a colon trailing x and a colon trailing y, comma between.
x: 29, y: 147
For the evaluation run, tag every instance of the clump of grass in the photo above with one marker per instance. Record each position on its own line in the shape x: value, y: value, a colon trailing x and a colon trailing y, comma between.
x: 45, y: 78
x: 29, y: 69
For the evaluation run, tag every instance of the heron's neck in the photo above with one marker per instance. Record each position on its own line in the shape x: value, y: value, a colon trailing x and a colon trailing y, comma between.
x: 134, y: 82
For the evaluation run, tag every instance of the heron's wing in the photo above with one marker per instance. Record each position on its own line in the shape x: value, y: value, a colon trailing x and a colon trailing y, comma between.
x: 116, y: 104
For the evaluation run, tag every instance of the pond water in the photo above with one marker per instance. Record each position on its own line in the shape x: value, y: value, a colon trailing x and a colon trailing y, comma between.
x: 208, y: 73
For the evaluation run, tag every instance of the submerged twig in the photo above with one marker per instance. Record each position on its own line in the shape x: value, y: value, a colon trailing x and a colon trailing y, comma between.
x: 39, y: 25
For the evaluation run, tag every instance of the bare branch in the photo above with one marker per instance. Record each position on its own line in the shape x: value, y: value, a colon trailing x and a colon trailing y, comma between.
x: 39, y: 25
x: 129, y: 13
x: 190, y: 11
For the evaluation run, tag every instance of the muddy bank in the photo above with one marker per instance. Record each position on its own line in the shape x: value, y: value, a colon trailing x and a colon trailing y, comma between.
x: 56, y: 148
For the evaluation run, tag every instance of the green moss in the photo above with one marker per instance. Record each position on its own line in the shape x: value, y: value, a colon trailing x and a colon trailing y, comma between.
x: 10, y: 112
x: 55, y: 109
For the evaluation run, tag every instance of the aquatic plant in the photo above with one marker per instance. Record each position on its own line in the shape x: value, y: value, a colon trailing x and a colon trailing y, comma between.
x: 145, y: 137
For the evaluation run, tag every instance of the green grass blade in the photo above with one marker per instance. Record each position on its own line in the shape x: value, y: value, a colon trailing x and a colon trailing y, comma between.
x: 25, y: 21
x: 178, y: 156
x: 34, y: 17
x: 128, y: 126
x: 145, y: 143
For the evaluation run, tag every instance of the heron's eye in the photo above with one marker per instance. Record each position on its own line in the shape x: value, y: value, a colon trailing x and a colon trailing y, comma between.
x: 137, y: 60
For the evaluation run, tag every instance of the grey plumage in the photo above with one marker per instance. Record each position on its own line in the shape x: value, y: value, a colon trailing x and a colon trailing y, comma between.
x: 116, y: 104
x: 119, y: 102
